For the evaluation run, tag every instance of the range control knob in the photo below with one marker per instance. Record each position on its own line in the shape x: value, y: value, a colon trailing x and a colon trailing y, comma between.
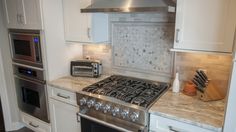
x: 115, y: 111
x: 134, y: 116
x: 98, y: 105
x: 106, y: 108
x: 124, y: 114
x: 90, y: 103
x: 82, y: 101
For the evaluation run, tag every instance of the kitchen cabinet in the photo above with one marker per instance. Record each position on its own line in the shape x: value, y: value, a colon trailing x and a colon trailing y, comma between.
x: 205, y: 25
x: 23, y: 14
x: 84, y: 27
x: 35, y: 124
x: 161, y: 124
x: 63, y: 110
x: 63, y: 117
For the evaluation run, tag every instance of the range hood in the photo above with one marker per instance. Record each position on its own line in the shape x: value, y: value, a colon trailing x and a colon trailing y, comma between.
x: 130, y: 6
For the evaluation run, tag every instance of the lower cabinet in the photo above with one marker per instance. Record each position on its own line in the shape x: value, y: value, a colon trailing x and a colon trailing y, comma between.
x: 35, y: 124
x: 63, y: 117
x: 161, y: 124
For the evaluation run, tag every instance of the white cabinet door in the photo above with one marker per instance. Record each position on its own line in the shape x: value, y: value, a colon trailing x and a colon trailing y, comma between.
x: 13, y: 12
x: 162, y: 124
x: 83, y: 27
x: 63, y: 117
x: 32, y: 14
x: 23, y: 14
x: 205, y: 25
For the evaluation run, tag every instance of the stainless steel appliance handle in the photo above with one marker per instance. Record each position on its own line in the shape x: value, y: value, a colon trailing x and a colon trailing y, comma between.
x: 103, y: 123
x: 63, y: 96
x: 35, y: 82
x: 35, y: 126
x: 177, y: 36
x: 31, y: 67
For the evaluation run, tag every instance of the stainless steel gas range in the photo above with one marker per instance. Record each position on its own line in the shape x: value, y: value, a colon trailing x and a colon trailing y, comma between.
x: 118, y: 103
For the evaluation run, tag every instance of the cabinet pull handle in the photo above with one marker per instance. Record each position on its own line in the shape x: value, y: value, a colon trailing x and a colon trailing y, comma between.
x: 35, y: 126
x: 89, y: 33
x: 17, y: 18
x: 78, y: 117
x: 177, y: 36
x: 63, y: 96
x: 21, y: 19
x: 172, y: 129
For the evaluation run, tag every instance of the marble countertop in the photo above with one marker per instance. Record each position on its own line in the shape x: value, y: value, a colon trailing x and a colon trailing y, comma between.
x: 187, y: 109
x: 75, y: 84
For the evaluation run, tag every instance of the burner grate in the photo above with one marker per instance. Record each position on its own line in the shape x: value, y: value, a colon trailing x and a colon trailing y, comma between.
x: 131, y: 90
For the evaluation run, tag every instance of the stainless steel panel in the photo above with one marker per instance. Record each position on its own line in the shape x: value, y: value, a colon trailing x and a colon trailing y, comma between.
x: 117, y: 124
x: 39, y: 88
x: 129, y: 6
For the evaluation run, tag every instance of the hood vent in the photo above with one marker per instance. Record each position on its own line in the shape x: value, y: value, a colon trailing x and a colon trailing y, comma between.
x: 130, y: 6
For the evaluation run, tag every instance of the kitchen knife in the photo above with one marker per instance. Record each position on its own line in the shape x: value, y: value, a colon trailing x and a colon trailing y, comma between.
x: 200, y: 75
x: 204, y: 74
x: 198, y: 86
x: 199, y: 80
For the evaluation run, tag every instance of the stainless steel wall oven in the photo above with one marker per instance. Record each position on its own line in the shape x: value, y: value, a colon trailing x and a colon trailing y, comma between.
x: 31, y: 91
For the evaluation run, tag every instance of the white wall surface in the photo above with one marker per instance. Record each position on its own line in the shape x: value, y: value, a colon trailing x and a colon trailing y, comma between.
x: 7, y: 88
x: 58, y: 52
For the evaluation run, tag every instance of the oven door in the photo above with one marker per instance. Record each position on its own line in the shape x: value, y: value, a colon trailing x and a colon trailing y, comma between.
x: 26, y: 47
x: 92, y: 124
x: 32, y: 97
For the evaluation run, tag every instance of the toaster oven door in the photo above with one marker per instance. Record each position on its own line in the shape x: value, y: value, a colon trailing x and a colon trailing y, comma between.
x: 83, y: 71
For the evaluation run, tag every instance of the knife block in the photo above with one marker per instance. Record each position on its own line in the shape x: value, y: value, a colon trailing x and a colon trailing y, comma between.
x: 211, y: 93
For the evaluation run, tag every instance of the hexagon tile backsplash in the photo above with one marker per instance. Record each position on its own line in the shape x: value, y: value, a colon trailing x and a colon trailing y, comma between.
x: 143, y: 47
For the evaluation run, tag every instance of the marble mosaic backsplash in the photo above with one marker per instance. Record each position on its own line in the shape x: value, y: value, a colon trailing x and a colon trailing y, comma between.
x: 143, y: 47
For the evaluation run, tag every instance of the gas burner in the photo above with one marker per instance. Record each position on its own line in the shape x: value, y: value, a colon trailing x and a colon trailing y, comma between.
x: 130, y: 90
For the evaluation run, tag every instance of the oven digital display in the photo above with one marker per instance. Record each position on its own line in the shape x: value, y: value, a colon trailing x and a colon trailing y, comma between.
x: 36, y: 40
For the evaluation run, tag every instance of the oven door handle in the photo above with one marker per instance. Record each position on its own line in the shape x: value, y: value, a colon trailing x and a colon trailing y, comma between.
x: 103, y: 122
x: 35, y: 82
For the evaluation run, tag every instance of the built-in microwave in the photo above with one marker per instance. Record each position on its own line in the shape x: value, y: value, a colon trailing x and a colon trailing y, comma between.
x: 26, y: 48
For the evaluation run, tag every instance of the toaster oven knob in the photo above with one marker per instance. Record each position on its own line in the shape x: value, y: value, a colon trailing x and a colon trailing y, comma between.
x: 106, y: 108
x: 98, y: 105
x: 134, y: 116
x: 124, y: 114
x: 82, y: 101
x: 90, y: 103
x: 115, y: 111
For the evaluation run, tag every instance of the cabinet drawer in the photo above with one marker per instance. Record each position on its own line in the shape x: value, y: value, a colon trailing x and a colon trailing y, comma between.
x: 161, y: 124
x: 35, y: 124
x: 62, y: 95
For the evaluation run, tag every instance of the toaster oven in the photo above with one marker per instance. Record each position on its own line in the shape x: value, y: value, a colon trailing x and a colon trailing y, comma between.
x: 86, y: 68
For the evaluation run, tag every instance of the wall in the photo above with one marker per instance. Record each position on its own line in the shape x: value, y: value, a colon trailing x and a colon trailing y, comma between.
x: 218, y: 67
x: 8, y: 95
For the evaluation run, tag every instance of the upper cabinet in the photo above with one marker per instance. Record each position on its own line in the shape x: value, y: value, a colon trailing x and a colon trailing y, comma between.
x: 84, y: 27
x: 205, y: 25
x: 23, y: 14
